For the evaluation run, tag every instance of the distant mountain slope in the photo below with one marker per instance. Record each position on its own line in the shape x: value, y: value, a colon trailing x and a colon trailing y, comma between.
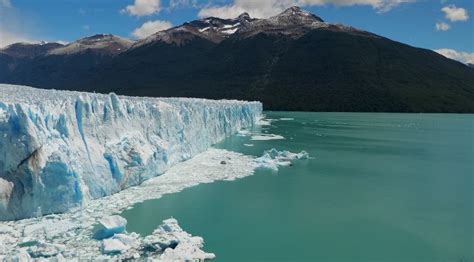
x: 20, y: 53
x: 64, y: 64
x: 104, y: 44
x: 22, y: 50
x: 293, y: 61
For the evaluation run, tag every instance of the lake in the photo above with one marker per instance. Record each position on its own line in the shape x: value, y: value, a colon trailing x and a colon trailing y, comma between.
x: 378, y: 187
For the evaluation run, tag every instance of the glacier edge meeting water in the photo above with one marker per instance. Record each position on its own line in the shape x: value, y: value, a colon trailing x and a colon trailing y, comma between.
x: 70, y: 235
x: 60, y: 149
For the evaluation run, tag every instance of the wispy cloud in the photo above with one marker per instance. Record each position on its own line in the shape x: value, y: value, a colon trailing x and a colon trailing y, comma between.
x: 442, y: 26
x: 19, y: 28
x: 463, y: 57
x: 173, y: 4
x: 8, y: 38
x: 454, y: 13
x: 151, y: 27
x: 11, y: 32
x: 143, y: 8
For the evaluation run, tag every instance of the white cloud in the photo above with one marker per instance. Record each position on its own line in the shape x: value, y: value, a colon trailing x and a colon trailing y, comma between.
x: 143, y: 7
x: 151, y: 27
x: 464, y: 57
x: 441, y: 26
x: 454, y: 13
x: 267, y: 8
x: 9, y: 32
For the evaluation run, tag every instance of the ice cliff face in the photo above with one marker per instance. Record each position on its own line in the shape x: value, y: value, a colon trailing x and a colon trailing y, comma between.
x: 59, y: 149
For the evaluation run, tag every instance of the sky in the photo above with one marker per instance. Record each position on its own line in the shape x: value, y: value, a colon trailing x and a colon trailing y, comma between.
x: 445, y: 26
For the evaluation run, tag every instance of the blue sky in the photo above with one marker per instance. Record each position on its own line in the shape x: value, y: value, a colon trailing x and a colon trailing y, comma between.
x: 432, y: 24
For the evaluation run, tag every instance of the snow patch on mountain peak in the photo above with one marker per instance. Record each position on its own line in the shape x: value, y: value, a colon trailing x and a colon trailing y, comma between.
x: 297, y: 12
x: 213, y: 29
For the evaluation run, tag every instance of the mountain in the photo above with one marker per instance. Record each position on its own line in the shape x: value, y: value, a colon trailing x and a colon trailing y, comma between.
x: 292, y: 61
x: 64, y: 64
x: 13, y: 55
x: 470, y: 65
x: 103, y: 44
x: 212, y: 29
x: 22, y: 50
x: 292, y: 22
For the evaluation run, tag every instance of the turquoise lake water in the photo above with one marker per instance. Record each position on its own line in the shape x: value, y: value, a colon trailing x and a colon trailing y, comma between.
x: 380, y: 187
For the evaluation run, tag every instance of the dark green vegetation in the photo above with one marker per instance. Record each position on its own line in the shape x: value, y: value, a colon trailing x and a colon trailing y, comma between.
x: 323, y: 70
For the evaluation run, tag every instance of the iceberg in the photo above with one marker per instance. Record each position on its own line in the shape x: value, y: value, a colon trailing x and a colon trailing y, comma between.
x: 169, y: 242
x: 110, y: 226
x: 62, y: 149
x: 175, y: 243
x: 263, y: 137
x: 272, y: 159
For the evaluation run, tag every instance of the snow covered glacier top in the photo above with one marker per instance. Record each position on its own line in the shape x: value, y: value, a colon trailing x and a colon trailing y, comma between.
x: 59, y: 149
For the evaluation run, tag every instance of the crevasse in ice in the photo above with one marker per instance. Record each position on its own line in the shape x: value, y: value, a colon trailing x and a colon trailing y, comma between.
x: 59, y: 149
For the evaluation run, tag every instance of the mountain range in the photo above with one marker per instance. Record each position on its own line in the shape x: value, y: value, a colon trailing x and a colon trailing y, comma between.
x: 291, y: 61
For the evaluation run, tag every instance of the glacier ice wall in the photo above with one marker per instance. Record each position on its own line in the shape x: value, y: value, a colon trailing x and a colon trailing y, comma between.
x: 59, y: 149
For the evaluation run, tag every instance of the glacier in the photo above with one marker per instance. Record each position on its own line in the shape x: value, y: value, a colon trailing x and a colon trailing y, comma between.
x: 62, y: 149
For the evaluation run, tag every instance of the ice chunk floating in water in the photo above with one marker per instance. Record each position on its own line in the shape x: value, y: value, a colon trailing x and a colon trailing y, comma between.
x: 272, y: 159
x: 169, y: 242
x: 263, y: 137
x: 60, y: 149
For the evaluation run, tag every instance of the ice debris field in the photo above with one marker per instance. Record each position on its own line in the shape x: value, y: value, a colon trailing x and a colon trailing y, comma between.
x: 71, y: 234
x: 43, y: 118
